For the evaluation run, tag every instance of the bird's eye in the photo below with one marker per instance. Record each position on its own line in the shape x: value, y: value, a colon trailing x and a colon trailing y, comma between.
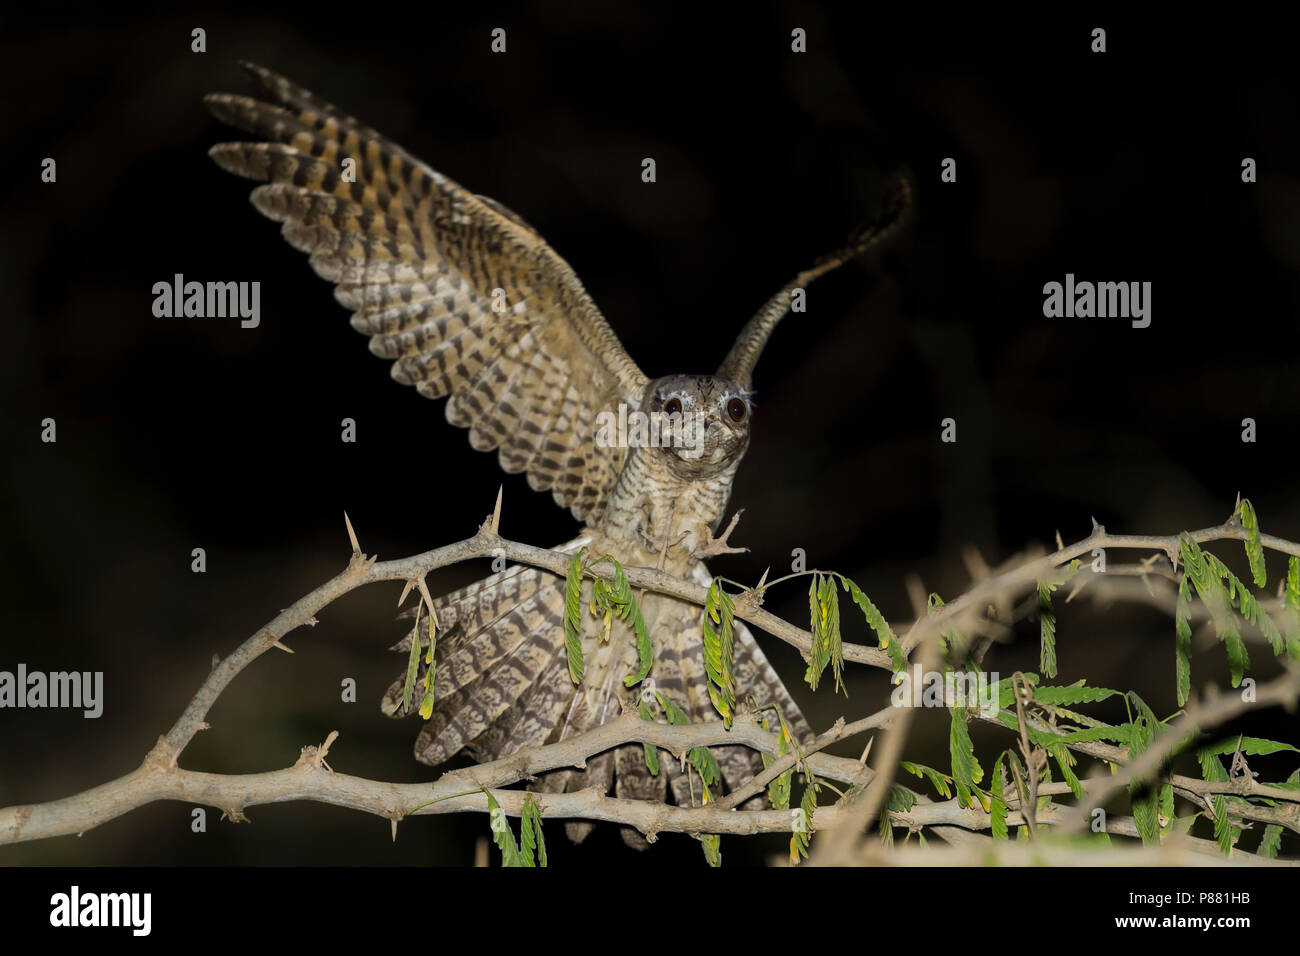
x: 737, y: 409
x: 673, y: 406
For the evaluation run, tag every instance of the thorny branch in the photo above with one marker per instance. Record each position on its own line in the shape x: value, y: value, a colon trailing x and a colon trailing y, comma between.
x: 311, y: 778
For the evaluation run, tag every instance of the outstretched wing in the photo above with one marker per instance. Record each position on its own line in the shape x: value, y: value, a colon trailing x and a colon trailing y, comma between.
x: 464, y: 297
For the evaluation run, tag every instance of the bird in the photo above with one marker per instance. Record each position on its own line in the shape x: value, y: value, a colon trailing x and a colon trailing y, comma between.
x: 470, y: 304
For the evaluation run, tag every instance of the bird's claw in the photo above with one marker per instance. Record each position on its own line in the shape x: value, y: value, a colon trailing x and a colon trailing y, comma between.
x: 719, y: 545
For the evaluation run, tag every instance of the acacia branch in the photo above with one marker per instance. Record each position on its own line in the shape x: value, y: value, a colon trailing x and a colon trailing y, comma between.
x: 1191, y: 788
x: 961, y: 613
x: 159, y: 777
x: 1283, y: 691
x: 234, y: 793
x: 1176, y: 850
x: 157, y: 780
x: 966, y: 613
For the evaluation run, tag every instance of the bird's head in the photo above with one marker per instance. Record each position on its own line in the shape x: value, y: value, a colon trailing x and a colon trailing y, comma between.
x: 703, y: 422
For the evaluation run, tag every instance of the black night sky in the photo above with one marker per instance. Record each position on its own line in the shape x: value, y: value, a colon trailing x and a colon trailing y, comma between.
x: 175, y: 434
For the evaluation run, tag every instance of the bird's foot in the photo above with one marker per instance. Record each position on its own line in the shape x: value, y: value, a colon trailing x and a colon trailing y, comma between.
x: 720, y: 545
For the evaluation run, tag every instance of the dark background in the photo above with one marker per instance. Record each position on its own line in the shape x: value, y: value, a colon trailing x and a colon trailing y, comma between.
x: 175, y: 434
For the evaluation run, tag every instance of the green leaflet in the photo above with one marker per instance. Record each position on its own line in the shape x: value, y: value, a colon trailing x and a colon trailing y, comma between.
x: 778, y: 788
x: 1249, y: 745
x: 1291, y: 600
x: 1165, y: 809
x: 1119, y: 733
x: 501, y: 834
x: 412, y: 663
x: 827, y: 646
x: 1046, y: 801
x: 1144, y: 795
x: 1209, y: 575
x: 602, y: 604
x: 712, y: 848
x: 803, y: 820
x: 644, y: 649
x: 1070, y: 694
x: 1006, y: 688
x: 530, y: 833
x: 1212, y: 769
x: 645, y: 656
x: 1065, y: 760
x: 1193, y: 562
x: 1247, y: 603
x: 998, y: 801
x: 702, y: 760
x: 531, y: 851
x: 966, y: 770
x: 817, y: 659
x: 1270, y: 842
x: 711, y: 842
x: 900, y: 799
x: 886, y: 828
x: 1252, y: 612
x: 1292, y: 592
x: 876, y: 621
x: 1018, y: 777
x: 937, y: 779
x: 1259, y: 617
x: 829, y: 599
x: 1254, y: 546
x: 651, y: 751
x: 617, y: 599
x: 572, y: 619
x: 1065, y: 713
x: 1047, y: 617
x: 675, y: 715
x: 1183, y: 641
x: 1143, y: 798
x: 1272, y: 839
x: 952, y: 639
x: 1046, y: 630
x: 430, y: 673
x: 1146, y: 726
x: 1196, y: 565
x: 699, y: 757
x: 719, y: 650
x: 1238, y: 658
x: 1208, y: 586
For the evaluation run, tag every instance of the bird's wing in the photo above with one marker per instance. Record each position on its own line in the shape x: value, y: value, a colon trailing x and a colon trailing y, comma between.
x: 464, y: 297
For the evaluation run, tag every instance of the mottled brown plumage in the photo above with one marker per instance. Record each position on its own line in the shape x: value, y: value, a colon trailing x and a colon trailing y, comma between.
x: 469, y: 303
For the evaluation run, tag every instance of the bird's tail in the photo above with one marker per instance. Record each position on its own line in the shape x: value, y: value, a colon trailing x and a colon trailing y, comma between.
x: 498, y: 645
x: 502, y: 684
